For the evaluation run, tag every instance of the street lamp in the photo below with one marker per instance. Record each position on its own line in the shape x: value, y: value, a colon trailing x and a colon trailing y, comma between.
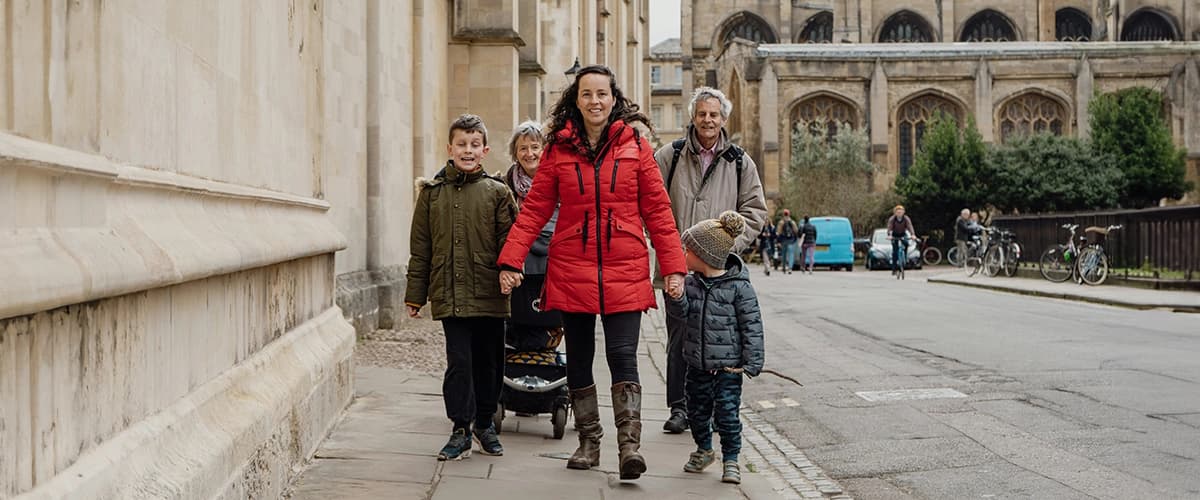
x: 573, y: 69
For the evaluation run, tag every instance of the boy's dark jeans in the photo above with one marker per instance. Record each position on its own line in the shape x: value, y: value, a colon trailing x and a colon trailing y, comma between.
x: 474, y: 370
x: 713, y: 401
x: 621, y: 331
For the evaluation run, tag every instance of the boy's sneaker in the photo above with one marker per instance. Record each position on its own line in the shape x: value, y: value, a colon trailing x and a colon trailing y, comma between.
x: 489, y: 441
x: 733, y: 473
x: 458, y: 448
x: 700, y: 459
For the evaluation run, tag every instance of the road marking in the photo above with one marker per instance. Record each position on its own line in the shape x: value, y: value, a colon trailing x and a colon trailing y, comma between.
x: 910, y: 394
x: 766, y: 404
x: 789, y: 402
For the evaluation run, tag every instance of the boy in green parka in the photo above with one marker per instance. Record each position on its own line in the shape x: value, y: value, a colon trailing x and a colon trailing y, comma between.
x: 460, y: 223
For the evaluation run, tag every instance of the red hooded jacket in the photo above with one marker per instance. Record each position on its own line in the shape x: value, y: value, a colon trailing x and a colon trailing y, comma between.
x: 599, y: 261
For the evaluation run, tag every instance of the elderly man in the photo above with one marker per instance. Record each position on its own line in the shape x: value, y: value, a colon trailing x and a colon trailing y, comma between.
x: 705, y: 175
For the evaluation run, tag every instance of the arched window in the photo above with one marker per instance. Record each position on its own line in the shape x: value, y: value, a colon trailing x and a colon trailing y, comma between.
x: 824, y: 115
x: 906, y: 26
x: 914, y: 117
x: 748, y: 26
x: 1072, y: 25
x: 1148, y: 25
x: 819, y: 29
x: 988, y: 26
x: 1031, y: 113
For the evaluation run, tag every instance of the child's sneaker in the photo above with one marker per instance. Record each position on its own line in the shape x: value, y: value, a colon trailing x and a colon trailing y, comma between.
x: 700, y: 459
x: 733, y: 473
x: 489, y: 441
x: 458, y: 448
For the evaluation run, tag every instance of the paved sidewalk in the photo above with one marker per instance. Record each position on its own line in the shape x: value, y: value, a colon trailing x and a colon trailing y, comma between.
x: 1135, y: 298
x: 385, y: 447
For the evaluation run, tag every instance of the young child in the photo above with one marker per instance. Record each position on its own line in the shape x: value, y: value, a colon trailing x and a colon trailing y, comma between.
x: 719, y: 304
x: 460, y: 223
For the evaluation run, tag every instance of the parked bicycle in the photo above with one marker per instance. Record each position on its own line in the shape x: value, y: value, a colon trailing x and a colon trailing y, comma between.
x: 1003, y: 253
x: 1093, y: 262
x: 1058, y: 263
x: 973, y: 261
x: 929, y: 253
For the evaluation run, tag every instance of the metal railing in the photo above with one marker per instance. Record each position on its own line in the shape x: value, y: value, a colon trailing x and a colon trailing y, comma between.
x: 1161, y: 243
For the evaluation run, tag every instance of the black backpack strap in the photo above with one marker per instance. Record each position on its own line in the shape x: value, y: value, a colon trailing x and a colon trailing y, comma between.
x: 734, y: 154
x: 677, y: 145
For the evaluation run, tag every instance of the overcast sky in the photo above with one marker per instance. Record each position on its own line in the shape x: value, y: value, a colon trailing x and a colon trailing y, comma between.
x: 664, y: 20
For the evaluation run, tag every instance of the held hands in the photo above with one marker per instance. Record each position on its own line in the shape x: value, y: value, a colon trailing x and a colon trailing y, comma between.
x: 414, y: 312
x: 674, y: 285
x: 510, y: 280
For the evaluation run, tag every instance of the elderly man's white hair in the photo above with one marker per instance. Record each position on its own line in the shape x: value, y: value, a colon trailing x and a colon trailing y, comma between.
x: 703, y: 93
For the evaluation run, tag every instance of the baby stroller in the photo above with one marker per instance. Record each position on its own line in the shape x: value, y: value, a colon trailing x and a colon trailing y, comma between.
x: 535, y: 373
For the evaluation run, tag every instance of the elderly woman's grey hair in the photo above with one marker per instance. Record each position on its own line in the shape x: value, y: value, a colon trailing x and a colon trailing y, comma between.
x: 528, y: 128
x: 703, y: 93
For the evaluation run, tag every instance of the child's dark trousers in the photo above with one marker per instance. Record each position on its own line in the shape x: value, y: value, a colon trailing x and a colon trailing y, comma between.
x: 474, y: 370
x: 713, y: 401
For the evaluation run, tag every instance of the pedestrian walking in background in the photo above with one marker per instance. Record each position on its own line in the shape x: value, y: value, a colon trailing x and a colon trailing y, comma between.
x: 788, y: 233
x: 600, y: 173
x: 766, y: 246
x: 808, y: 245
x: 724, y: 340
x: 460, y: 222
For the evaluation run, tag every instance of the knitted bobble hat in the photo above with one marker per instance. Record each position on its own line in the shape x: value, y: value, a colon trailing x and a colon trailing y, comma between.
x: 712, y: 239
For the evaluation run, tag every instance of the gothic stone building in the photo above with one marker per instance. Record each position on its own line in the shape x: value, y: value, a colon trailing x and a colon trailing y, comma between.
x: 888, y: 67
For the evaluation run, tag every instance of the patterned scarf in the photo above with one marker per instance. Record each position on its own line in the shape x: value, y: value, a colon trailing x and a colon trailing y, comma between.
x: 521, y: 182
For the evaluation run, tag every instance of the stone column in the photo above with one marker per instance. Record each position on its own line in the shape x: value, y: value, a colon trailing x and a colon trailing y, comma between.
x: 770, y: 114
x: 785, y: 22
x: 983, y: 101
x: 948, y: 26
x: 1191, y: 121
x: 389, y: 98
x: 878, y: 108
x: 1045, y: 25
x: 1083, y: 96
x: 686, y: 43
x: 490, y: 30
x: 866, y: 30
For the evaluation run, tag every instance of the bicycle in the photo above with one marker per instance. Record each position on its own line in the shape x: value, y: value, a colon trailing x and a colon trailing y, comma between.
x: 974, y: 258
x: 899, y: 271
x: 930, y: 254
x: 1092, y: 264
x: 1058, y: 263
x: 1003, y: 253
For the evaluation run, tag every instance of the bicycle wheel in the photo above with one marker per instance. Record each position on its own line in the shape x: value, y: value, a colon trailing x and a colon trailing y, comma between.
x: 1053, y: 266
x: 932, y: 256
x: 973, y: 265
x: 993, y: 260
x: 1012, y: 258
x: 1093, y: 266
x: 952, y: 257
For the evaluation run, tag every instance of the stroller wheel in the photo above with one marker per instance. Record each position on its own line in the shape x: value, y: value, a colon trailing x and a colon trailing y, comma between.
x: 559, y: 420
x: 498, y: 419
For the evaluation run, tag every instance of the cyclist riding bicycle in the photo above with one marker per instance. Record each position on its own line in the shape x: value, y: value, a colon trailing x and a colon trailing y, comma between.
x: 900, y: 229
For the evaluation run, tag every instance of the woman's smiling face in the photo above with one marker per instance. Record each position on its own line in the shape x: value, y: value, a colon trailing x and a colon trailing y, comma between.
x: 595, y: 99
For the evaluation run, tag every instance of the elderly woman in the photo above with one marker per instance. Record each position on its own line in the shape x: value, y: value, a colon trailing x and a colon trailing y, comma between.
x: 529, y: 328
x: 601, y: 174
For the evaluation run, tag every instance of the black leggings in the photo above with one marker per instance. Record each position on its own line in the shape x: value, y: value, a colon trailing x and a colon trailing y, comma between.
x: 621, y: 332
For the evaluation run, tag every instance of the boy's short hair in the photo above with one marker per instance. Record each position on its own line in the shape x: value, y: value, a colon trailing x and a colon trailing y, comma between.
x: 468, y: 123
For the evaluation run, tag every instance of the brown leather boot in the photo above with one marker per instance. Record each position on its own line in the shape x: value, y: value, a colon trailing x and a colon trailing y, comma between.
x: 627, y: 411
x: 587, y: 421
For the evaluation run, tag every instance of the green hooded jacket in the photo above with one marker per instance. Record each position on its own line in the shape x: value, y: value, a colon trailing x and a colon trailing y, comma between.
x: 459, y: 225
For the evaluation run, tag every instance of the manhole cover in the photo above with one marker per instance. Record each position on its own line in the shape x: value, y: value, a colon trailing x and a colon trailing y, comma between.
x: 910, y: 394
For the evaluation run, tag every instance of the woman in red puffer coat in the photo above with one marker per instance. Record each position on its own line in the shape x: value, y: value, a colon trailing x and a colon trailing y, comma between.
x: 602, y: 175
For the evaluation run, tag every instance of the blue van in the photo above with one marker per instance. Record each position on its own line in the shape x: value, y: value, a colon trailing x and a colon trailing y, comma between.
x: 835, y: 243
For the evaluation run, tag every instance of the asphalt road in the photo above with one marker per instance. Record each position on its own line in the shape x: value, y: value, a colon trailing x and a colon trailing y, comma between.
x: 1059, y: 400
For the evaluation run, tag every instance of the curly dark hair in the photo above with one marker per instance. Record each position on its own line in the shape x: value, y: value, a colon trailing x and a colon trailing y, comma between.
x: 566, y: 111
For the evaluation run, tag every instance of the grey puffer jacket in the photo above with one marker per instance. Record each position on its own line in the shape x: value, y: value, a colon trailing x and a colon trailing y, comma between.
x: 724, y: 323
